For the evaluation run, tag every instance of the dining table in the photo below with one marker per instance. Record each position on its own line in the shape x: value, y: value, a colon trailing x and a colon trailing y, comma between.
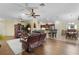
x: 72, y: 33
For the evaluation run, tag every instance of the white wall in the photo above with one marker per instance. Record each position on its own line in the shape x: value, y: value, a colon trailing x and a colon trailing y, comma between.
x: 7, y: 27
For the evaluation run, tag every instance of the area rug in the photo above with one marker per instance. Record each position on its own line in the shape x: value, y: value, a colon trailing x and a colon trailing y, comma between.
x: 15, y: 45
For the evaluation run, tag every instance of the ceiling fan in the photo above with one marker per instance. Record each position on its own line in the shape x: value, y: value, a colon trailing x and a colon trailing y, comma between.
x: 33, y: 14
x: 21, y: 20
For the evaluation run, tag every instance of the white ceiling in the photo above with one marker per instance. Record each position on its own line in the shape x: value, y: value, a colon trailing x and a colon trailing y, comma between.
x: 51, y: 11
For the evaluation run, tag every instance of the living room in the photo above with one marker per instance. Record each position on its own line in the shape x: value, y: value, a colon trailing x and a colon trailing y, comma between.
x: 39, y: 28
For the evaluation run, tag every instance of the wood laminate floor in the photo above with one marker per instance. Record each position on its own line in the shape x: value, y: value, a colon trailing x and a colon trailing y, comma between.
x: 5, y: 49
x: 50, y: 47
x: 56, y: 47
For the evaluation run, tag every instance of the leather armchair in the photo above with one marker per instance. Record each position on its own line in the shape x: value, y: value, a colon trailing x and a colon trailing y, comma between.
x: 33, y: 41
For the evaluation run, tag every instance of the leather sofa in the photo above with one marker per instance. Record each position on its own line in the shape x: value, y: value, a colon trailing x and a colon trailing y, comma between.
x: 33, y: 41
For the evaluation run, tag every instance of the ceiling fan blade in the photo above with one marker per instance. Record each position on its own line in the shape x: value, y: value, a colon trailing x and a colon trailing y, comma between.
x: 37, y: 15
x: 27, y: 14
x: 32, y: 10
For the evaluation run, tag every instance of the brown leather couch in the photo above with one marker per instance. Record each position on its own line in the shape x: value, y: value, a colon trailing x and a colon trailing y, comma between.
x: 33, y: 41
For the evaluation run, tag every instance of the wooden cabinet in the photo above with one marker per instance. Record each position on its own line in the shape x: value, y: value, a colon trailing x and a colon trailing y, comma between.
x: 48, y: 26
x: 18, y: 29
